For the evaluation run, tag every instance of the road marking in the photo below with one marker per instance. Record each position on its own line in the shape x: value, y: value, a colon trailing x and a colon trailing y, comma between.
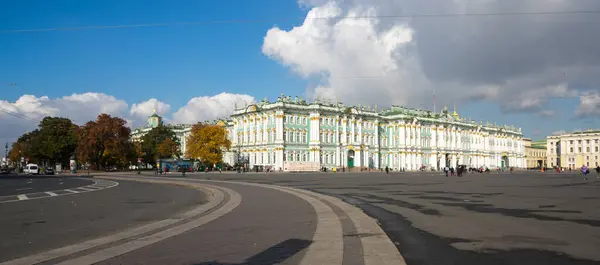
x: 24, y: 189
x: 15, y: 198
x: 328, y: 245
x: 215, y: 197
x: 377, y: 248
x: 108, y: 253
x: 22, y: 197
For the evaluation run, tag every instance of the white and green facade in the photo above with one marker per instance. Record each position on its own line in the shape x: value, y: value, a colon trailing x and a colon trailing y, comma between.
x: 334, y: 135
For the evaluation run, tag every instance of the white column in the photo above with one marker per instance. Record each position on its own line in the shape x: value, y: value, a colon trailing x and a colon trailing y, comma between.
x: 376, y: 159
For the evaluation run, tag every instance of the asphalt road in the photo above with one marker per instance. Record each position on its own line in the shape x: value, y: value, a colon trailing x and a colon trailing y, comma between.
x: 520, y: 218
x: 21, y: 184
x: 268, y: 227
x: 33, y: 226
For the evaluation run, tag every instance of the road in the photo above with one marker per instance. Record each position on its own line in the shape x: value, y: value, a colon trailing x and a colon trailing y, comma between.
x: 21, y: 184
x: 525, y: 217
x: 32, y: 226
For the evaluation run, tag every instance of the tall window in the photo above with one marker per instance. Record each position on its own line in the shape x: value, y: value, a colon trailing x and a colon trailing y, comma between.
x: 297, y: 157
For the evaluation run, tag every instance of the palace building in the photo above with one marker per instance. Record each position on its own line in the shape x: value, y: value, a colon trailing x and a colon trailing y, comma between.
x: 292, y: 134
x: 574, y: 150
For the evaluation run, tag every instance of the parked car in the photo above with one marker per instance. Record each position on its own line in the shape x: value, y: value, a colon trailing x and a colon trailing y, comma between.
x: 31, y: 169
x: 49, y: 171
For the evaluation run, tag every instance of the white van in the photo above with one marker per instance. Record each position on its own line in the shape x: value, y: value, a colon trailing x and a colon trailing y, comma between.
x: 31, y: 169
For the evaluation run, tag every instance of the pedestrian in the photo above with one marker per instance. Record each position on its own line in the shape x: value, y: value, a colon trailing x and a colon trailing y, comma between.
x: 452, y: 171
x: 446, y: 169
x: 597, y: 171
x: 584, y: 171
x: 387, y: 170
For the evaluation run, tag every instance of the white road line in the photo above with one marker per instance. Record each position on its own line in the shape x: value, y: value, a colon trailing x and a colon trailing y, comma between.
x: 216, y: 196
x: 22, y: 197
x: 104, y: 254
x: 72, y: 191
x: 24, y: 189
x: 84, y: 188
x: 377, y: 248
x: 51, y: 193
x: 328, y: 242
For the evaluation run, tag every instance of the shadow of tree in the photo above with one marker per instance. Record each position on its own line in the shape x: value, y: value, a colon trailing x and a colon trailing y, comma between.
x: 273, y: 255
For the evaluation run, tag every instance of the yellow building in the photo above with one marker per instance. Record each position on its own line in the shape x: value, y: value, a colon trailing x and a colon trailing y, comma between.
x: 574, y: 149
x: 535, y: 153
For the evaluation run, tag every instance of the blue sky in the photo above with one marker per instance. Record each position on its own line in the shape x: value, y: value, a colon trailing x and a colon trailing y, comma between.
x: 172, y: 63
x: 176, y: 63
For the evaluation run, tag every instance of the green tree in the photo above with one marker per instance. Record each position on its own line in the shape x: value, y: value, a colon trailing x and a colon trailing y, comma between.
x: 152, y: 140
x: 27, y: 146
x: 56, y: 139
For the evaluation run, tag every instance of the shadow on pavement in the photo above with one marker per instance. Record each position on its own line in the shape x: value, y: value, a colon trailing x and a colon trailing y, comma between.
x: 273, y: 255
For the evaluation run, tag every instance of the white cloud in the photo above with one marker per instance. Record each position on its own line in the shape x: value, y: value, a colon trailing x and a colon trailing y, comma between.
x: 146, y: 108
x: 25, y: 113
x: 546, y: 113
x: 210, y: 107
x: 390, y: 60
x: 589, y: 105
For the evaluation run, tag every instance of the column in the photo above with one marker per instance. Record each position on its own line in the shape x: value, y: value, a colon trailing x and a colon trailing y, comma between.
x: 338, y: 155
x: 402, y: 137
x: 352, y: 130
x: 366, y: 153
x: 376, y: 159
x: 315, y: 141
x: 343, y: 135
x: 360, y: 136
x: 358, y: 156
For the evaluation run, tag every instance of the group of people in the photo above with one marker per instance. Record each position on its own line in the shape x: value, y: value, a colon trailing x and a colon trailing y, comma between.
x: 585, y: 170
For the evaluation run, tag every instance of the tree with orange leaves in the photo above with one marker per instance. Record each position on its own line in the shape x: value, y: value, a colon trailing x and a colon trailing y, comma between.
x: 207, y: 142
x: 104, y: 143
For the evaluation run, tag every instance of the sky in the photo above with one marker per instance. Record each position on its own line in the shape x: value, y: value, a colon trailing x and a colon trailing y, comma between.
x: 193, y: 60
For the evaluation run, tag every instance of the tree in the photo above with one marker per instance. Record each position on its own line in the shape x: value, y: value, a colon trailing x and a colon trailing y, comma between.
x: 207, y: 143
x: 152, y: 140
x: 56, y: 139
x: 104, y: 143
x: 167, y: 149
x: 27, y: 146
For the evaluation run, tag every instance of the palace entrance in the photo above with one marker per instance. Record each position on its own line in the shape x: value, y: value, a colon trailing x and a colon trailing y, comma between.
x: 350, y: 158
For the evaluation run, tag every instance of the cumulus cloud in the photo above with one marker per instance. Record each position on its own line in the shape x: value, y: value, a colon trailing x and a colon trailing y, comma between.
x: 518, y: 62
x: 142, y: 110
x: 210, y: 107
x: 546, y: 113
x: 25, y: 113
x: 589, y: 105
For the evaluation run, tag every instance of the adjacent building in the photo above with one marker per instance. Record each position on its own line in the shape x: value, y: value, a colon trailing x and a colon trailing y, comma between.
x: 535, y: 154
x: 293, y: 133
x: 574, y: 149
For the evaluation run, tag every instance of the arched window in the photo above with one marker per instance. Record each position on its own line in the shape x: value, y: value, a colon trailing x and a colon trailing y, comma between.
x: 304, y: 157
x: 297, y: 157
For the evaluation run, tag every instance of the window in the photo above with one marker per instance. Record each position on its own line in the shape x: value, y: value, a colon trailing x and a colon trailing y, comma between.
x: 587, y: 141
x: 579, y: 149
x: 285, y: 136
x: 571, y: 142
x: 297, y: 157
x: 303, y: 157
x: 571, y: 149
x: 587, y: 149
x: 596, y: 148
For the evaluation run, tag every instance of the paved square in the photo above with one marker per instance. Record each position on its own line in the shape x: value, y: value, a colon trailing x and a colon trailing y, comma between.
x: 489, y: 218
